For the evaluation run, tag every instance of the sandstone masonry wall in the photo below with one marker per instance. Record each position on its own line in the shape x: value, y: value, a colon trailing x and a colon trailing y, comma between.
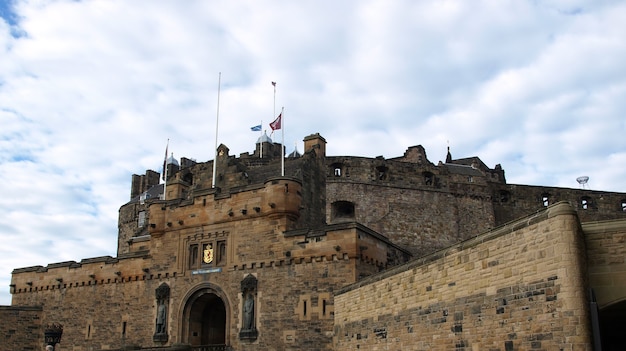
x: 295, y: 307
x: 519, y: 287
x: 606, y: 247
x: 21, y: 328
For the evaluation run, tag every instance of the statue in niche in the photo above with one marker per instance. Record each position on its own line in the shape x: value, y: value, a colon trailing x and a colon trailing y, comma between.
x: 248, y: 312
x: 248, y: 309
x: 161, y: 318
x: 162, y: 301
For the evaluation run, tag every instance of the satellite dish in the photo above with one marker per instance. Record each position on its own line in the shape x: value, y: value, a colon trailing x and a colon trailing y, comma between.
x: 582, y: 181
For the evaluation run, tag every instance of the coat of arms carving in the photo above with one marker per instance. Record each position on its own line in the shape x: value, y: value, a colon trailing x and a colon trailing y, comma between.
x: 207, y: 254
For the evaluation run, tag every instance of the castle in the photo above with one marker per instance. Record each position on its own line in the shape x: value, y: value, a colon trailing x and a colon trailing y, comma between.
x: 338, y: 253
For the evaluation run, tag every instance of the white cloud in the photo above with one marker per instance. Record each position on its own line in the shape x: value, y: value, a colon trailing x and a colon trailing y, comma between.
x: 91, y: 91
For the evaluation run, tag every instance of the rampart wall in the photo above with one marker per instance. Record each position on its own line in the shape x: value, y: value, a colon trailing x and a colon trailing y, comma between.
x: 295, y: 305
x: 421, y: 220
x: 518, y: 287
x: 512, y: 201
x: 297, y: 275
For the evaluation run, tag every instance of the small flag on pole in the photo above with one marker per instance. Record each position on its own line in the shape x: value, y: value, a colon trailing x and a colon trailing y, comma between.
x: 256, y: 128
x: 277, y: 122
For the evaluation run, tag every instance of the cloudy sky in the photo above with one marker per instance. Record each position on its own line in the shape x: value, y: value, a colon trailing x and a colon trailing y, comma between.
x: 90, y: 92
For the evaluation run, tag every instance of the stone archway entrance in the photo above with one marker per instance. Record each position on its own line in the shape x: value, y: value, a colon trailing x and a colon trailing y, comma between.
x: 205, y: 318
x: 613, y: 324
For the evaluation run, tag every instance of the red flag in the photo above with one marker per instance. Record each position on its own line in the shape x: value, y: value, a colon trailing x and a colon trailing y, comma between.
x: 277, y: 122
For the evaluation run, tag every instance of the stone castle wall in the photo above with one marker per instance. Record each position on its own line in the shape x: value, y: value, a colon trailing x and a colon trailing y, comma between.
x: 297, y: 273
x: 92, y: 300
x: 606, y: 251
x: 606, y: 247
x: 420, y: 220
x: 519, y: 287
x: 514, y: 201
x: 295, y: 305
x: 21, y: 328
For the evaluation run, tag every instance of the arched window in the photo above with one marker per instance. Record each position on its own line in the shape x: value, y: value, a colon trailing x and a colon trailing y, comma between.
x: 336, y: 169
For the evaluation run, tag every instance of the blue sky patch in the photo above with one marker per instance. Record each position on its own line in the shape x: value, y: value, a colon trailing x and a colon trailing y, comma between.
x: 6, y: 12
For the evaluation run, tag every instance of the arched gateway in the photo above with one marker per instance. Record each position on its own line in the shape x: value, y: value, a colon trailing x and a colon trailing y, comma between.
x: 206, y: 317
x: 612, y: 325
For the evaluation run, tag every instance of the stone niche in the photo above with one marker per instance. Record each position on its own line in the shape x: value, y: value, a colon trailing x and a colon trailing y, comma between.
x: 248, y: 311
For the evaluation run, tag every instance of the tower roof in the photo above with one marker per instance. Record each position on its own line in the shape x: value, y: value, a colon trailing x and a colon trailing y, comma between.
x: 172, y: 161
x: 264, y: 139
x: 294, y: 154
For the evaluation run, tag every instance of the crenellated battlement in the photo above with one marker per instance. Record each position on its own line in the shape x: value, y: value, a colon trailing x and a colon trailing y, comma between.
x: 276, y: 197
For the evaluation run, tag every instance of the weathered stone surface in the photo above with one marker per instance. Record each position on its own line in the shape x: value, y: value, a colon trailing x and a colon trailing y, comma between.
x: 332, y: 222
x: 526, y: 299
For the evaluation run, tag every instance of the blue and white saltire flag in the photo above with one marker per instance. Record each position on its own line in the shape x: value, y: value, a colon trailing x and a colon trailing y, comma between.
x: 256, y: 128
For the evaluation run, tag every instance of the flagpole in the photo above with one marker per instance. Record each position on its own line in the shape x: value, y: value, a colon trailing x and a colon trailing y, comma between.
x: 274, y: 84
x: 165, y: 169
x: 282, y: 130
x: 274, y: 113
x: 217, y: 121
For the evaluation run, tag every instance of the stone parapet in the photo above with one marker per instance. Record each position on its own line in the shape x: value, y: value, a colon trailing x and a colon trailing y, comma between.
x: 504, y: 289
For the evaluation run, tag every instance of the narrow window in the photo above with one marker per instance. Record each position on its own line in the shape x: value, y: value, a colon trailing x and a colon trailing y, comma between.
x: 504, y: 196
x: 545, y: 200
x: 141, y: 219
x: 323, y: 307
x: 584, y: 203
x: 221, y: 252
x: 624, y: 205
x: 188, y: 178
x: 123, y: 328
x: 336, y: 169
x: 304, y: 309
x: 428, y: 178
x: 470, y: 179
x: 193, y: 255
x: 143, y: 197
x: 381, y: 172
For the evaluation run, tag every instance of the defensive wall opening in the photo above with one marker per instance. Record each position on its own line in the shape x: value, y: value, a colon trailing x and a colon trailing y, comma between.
x: 606, y: 255
x: 613, y: 325
x: 205, y: 318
